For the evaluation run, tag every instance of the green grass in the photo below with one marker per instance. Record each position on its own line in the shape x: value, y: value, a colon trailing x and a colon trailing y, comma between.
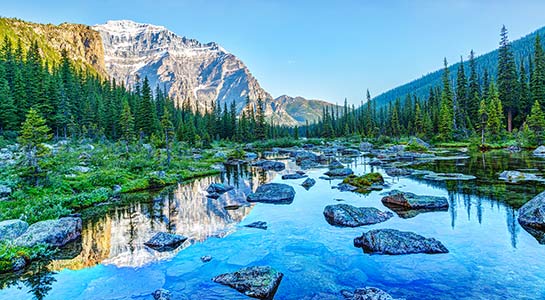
x: 10, y: 252
x: 364, y: 182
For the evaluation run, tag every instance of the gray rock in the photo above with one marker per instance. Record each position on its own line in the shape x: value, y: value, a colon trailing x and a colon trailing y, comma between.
x: 81, y: 169
x: 308, y: 183
x: 159, y: 174
x: 293, y: 176
x: 276, y: 193
x: 397, y: 148
x: 532, y: 217
x: 368, y: 293
x: 376, y: 162
x: 11, y: 229
x: 18, y: 263
x: 250, y: 155
x: 258, y: 224
x: 54, y: 233
x: 163, y: 241
x: 394, y: 172
x: 448, y: 176
x: 350, y: 152
x: 308, y: 164
x: 213, y: 195
x: 161, y: 294
x: 256, y: 282
x: 220, y: 154
x: 413, y: 201
x: 540, y: 151
x: 270, y: 165
x: 418, y: 141
x: 219, y: 188
x: 366, y: 146
x: 147, y: 147
x: 116, y: 189
x: 345, y: 215
x: 5, y: 191
x: 339, y: 172
x: 335, y: 165
x: 395, y: 242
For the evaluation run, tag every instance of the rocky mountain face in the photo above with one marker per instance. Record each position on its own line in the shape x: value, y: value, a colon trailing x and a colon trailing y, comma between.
x: 190, y: 71
x: 84, y: 45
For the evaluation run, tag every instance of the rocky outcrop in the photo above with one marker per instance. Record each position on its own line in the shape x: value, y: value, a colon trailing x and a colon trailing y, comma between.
x: 395, y: 242
x: 345, y: 215
x: 532, y: 217
x: 517, y: 176
x: 413, y: 201
x: 163, y: 241
x: 365, y: 183
x: 539, y: 151
x: 368, y: 293
x: 53, y: 233
x: 257, y: 282
x: 275, y: 193
x: 12, y: 229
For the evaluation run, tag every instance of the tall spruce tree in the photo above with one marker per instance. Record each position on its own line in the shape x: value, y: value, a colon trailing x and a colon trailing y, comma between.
x: 507, y: 79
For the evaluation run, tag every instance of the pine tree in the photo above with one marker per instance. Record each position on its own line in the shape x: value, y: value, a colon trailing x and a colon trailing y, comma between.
x: 260, y: 129
x: 34, y: 132
x: 494, y: 111
x: 507, y: 79
x: 474, y: 92
x: 461, y: 97
x: 537, y: 78
x: 168, y: 133
x: 127, y: 123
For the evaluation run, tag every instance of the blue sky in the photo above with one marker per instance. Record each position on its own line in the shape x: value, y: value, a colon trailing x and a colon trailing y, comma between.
x: 318, y: 49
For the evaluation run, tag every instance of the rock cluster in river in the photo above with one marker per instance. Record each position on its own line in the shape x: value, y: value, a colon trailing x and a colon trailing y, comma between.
x: 395, y: 242
x: 258, y: 282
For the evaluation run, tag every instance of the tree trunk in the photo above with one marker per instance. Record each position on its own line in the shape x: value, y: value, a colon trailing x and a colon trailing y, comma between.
x: 509, y: 120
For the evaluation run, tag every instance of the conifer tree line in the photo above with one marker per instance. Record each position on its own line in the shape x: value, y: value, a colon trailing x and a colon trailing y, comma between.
x: 79, y: 104
x: 509, y: 102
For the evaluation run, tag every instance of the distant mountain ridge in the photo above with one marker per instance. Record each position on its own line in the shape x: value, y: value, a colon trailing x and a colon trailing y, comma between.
x: 522, y: 48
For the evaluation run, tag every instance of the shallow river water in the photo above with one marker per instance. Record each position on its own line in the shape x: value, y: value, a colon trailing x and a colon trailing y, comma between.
x: 491, y: 256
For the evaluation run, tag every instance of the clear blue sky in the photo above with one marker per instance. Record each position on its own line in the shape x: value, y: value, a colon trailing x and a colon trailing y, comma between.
x: 318, y: 49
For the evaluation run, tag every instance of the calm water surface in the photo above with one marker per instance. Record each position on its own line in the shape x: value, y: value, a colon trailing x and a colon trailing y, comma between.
x: 491, y: 256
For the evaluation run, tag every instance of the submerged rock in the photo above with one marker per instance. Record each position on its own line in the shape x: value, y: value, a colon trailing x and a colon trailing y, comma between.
x: 257, y: 282
x: 394, y: 172
x: 447, y: 176
x: 161, y: 294
x: 516, y: 176
x: 308, y: 183
x: 345, y: 187
x: 276, y: 193
x: 293, y: 176
x: 270, y: 165
x: 54, y: 233
x: 345, y: 215
x: 11, y: 229
x: 395, y: 242
x: 163, y: 241
x: 257, y: 224
x: 343, y: 172
x: 206, y: 258
x: 335, y: 165
x: 532, y: 217
x: 219, y: 188
x: 368, y: 293
x: 350, y: 152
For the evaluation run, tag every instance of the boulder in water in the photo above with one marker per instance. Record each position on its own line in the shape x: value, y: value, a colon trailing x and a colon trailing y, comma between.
x: 413, y: 201
x: 163, y: 241
x: 293, y: 176
x: 368, y: 293
x: 257, y: 224
x: 270, y: 165
x: 219, y: 188
x: 308, y: 183
x: 395, y: 242
x: 257, y: 282
x: 532, y: 217
x: 161, y: 294
x: 342, y: 172
x: 345, y: 215
x: 517, y: 176
x: 275, y: 193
